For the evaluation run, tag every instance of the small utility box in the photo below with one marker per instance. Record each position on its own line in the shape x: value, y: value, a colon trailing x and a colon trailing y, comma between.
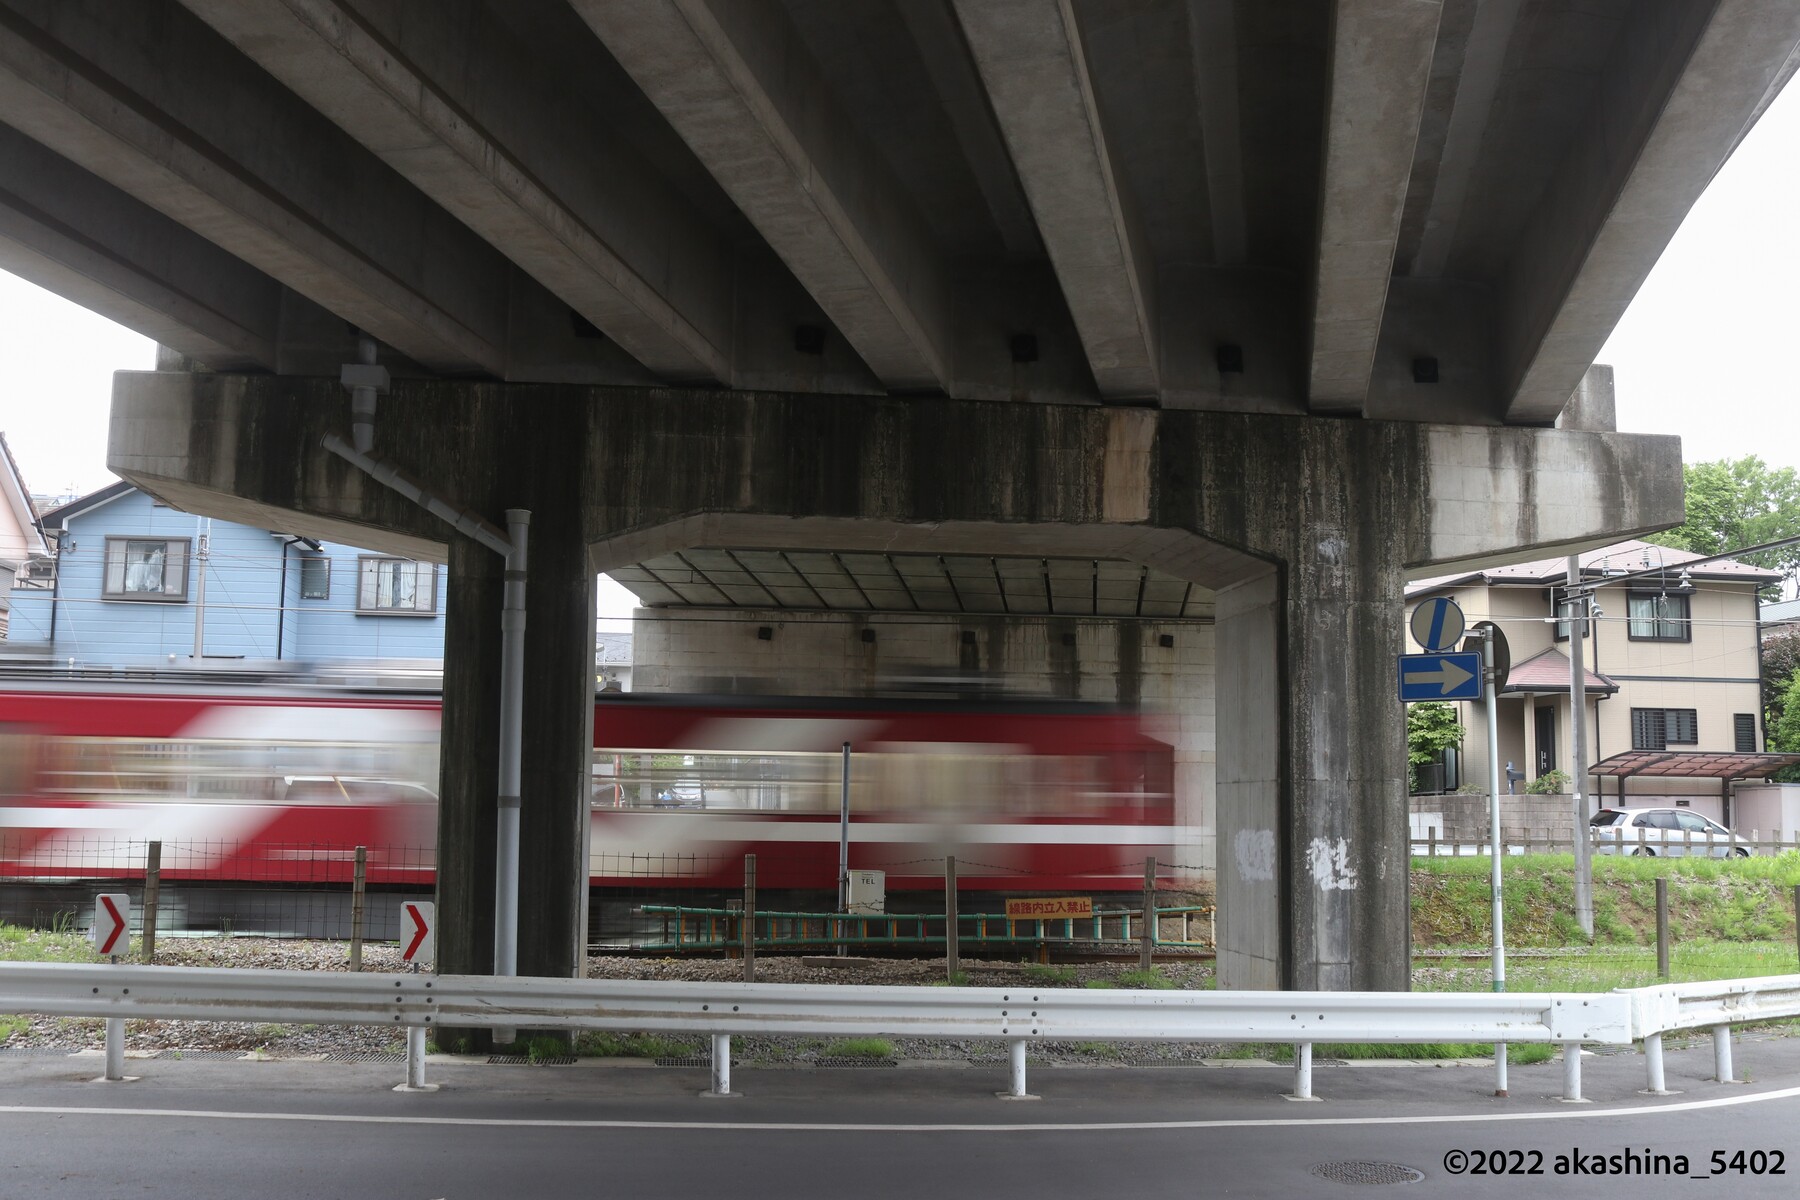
x: 867, y: 892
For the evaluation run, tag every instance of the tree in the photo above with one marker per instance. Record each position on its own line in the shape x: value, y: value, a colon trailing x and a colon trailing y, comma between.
x: 1784, y: 731
x: 1780, y: 666
x: 1740, y: 502
x: 1431, y: 729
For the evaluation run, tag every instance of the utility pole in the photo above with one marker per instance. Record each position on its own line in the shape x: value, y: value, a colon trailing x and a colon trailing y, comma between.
x: 1584, y: 851
x: 205, y: 536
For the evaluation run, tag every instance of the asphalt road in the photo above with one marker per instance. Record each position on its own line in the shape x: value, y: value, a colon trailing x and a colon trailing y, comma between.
x: 204, y: 1129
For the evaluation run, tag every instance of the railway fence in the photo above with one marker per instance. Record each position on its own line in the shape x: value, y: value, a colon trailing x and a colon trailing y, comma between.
x: 1017, y: 1016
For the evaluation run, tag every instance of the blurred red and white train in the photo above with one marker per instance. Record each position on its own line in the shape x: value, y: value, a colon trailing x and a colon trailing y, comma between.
x: 242, y: 783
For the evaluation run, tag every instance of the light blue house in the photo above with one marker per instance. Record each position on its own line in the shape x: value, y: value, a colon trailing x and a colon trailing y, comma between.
x: 139, y: 585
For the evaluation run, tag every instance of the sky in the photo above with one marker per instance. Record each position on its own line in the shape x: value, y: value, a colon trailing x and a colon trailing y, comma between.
x: 1704, y: 351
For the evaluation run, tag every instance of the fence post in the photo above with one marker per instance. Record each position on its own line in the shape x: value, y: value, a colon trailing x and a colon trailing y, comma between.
x: 1662, y: 927
x: 952, y: 921
x: 1147, y: 936
x: 1431, y: 841
x: 749, y: 918
x: 356, y: 907
x: 152, y: 897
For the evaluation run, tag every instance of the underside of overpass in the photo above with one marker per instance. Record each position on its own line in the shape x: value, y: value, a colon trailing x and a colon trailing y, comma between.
x: 1180, y: 309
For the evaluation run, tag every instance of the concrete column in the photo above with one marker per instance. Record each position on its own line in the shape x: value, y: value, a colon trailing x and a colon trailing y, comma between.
x: 469, y: 760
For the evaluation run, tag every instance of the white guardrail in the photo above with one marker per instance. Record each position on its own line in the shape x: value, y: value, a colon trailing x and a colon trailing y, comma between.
x: 1016, y: 1015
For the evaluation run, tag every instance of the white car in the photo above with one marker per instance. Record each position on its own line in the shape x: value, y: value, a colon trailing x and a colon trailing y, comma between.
x: 1665, y: 831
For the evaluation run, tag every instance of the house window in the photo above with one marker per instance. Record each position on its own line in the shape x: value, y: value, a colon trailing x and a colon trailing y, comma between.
x: 315, y: 578
x: 146, y: 569
x: 39, y: 575
x: 1657, y: 617
x: 396, y: 586
x: 1660, y: 728
x: 1744, y: 725
x: 1559, y: 605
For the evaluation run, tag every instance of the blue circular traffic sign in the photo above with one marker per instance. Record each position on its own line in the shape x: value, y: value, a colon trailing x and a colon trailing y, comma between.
x: 1437, y: 624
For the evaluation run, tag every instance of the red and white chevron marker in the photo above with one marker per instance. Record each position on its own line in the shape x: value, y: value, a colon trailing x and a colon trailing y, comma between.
x: 418, y: 932
x: 112, y: 918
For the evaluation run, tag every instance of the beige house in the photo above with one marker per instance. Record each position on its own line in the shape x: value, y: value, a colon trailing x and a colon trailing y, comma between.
x: 21, y: 541
x: 1672, y: 662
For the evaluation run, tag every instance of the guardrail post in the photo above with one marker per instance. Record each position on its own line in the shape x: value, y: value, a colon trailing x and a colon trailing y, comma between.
x: 357, y: 882
x: 1572, y: 1073
x: 1662, y: 927
x: 721, y: 1067
x: 749, y: 918
x: 115, y: 1049
x: 1653, y: 1063
x: 1147, y: 939
x: 1015, y: 1061
x: 415, y: 1062
x: 1302, y: 1072
x: 152, y: 897
x: 1722, y: 1054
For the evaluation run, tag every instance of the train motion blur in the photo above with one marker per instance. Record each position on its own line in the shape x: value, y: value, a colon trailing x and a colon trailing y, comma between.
x: 1028, y: 795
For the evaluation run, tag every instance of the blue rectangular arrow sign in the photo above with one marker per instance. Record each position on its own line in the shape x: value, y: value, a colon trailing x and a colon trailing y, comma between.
x: 1440, y: 677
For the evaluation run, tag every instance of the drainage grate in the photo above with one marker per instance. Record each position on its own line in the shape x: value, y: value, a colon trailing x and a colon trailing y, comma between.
x: 1367, y: 1172
x: 854, y: 1062
x: 360, y: 1056
x: 35, y: 1052
x: 200, y: 1055
x: 689, y: 1060
x: 509, y: 1060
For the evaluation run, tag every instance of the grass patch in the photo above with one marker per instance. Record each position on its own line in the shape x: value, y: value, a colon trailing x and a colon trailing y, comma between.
x: 956, y: 979
x: 63, y: 944
x: 596, y: 1044
x: 12, y: 1025
x: 1098, y: 1050
x: 1145, y: 977
x: 1606, y: 968
x: 1058, y: 976
x: 864, y: 1047
x: 538, y: 1049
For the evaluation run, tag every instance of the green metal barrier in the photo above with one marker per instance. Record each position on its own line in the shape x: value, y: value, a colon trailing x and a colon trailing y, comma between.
x: 700, y: 930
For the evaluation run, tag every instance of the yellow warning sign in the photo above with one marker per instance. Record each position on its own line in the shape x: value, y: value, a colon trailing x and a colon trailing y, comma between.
x: 1055, y: 906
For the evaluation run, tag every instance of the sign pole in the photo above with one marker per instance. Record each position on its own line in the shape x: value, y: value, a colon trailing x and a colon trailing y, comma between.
x: 1492, y: 673
x: 1583, y: 844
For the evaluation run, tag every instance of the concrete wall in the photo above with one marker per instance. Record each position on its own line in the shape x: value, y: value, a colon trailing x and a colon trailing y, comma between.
x: 824, y: 654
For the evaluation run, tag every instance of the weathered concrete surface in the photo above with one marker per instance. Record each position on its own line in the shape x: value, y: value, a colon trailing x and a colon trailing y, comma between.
x: 1305, y: 527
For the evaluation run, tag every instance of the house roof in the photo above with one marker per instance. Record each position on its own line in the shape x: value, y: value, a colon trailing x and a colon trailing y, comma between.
x: 1780, y: 614
x: 59, y: 517
x: 1620, y: 558
x: 1549, y: 672
x: 17, y: 496
x: 1692, y: 764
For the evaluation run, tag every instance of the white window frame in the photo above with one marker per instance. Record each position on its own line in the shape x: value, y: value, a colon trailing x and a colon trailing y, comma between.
x: 369, y: 585
x: 116, y: 570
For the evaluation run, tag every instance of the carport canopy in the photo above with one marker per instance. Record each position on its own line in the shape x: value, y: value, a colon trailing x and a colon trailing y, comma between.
x: 1692, y: 764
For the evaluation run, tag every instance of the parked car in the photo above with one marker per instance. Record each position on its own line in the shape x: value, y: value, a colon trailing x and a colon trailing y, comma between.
x: 1665, y: 831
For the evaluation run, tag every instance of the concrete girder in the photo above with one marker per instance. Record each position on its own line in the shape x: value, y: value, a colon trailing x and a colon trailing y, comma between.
x: 1030, y: 56
x: 1687, y: 81
x: 740, y: 89
x: 67, y: 230
x: 670, y: 309
x: 1306, y: 527
x: 116, y: 90
x: 1380, y: 63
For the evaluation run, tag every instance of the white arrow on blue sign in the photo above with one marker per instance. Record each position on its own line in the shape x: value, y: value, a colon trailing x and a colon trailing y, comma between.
x: 1440, y: 677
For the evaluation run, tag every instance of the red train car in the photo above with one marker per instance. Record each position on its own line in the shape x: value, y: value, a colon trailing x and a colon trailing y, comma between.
x: 244, y: 783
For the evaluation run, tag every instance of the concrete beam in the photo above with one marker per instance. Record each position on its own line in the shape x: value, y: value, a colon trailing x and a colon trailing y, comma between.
x: 1306, y: 527
x: 1030, y: 55
x: 736, y: 83
x: 1685, y: 85
x: 1380, y: 65
x: 616, y: 243
x: 131, y: 94
x: 74, y: 234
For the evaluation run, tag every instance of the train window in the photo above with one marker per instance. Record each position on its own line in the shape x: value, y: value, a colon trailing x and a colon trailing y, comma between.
x: 19, y: 749
x: 146, y: 569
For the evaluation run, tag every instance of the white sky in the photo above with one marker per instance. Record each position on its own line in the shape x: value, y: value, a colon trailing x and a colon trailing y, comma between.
x: 1702, y: 352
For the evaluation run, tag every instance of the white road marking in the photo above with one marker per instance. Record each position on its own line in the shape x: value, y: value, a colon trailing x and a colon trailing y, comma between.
x: 850, y: 1127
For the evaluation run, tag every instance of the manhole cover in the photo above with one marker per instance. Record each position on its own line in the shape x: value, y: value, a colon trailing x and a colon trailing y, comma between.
x: 1367, y: 1172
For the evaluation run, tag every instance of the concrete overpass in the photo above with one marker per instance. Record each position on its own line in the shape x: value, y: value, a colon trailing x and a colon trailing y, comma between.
x: 1281, y: 302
